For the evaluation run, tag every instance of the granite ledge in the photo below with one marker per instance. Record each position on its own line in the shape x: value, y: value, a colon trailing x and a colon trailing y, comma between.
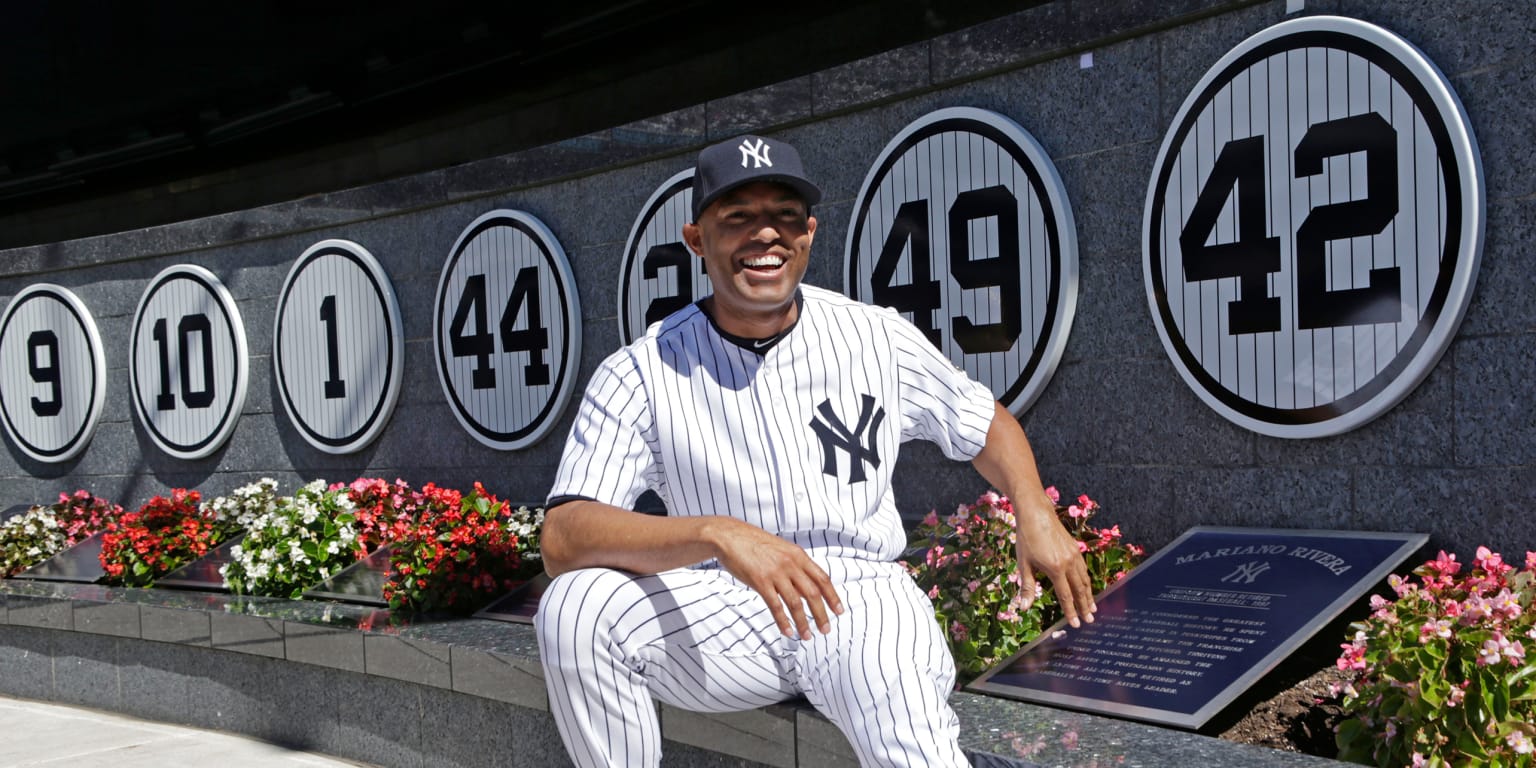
x: 480, y: 658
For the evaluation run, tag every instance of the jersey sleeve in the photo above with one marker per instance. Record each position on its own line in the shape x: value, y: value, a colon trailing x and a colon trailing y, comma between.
x: 939, y: 402
x: 606, y: 457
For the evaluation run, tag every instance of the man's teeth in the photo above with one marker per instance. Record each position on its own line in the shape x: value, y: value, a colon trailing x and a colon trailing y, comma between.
x: 765, y: 261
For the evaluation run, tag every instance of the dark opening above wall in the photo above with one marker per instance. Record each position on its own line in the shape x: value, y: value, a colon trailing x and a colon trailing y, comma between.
x: 102, y: 101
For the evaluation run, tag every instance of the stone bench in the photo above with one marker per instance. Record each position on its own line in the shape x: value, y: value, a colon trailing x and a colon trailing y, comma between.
x: 342, y: 680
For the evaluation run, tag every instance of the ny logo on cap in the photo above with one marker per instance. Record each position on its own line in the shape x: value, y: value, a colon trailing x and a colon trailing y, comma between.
x: 758, y: 153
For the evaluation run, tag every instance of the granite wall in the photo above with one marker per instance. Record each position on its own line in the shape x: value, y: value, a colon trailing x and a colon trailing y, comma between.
x: 1097, y: 83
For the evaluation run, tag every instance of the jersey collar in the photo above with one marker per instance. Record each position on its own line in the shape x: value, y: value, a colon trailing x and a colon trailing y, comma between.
x: 760, y: 346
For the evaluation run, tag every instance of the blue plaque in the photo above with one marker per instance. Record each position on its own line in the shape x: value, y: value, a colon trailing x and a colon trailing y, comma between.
x: 1199, y: 622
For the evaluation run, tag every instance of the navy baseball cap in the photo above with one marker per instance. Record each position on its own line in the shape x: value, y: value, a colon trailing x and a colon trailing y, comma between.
x: 744, y: 160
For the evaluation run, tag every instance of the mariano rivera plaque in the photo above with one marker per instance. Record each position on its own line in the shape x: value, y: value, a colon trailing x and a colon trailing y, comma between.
x: 1313, y: 227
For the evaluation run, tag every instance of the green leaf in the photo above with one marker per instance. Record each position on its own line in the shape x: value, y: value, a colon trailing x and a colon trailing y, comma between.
x: 1433, y: 689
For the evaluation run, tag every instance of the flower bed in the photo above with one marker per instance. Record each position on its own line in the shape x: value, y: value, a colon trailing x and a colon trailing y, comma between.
x: 43, y: 531
x: 969, y: 567
x: 159, y: 537
x: 461, y: 551
x: 1441, y: 675
x: 300, y: 540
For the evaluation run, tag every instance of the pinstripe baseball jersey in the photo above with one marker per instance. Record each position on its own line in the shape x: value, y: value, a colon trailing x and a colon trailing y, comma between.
x: 799, y: 438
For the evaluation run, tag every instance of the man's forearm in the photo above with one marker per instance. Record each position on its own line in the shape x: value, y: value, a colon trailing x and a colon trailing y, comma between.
x: 584, y: 534
x: 1008, y: 464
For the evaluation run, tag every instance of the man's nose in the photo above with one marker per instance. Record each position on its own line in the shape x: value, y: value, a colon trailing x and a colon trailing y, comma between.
x: 766, y: 234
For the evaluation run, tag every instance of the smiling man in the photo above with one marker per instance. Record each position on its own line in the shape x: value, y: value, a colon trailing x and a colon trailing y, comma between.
x: 768, y: 418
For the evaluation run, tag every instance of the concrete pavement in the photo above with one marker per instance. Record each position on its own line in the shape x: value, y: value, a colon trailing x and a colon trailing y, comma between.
x: 41, y: 735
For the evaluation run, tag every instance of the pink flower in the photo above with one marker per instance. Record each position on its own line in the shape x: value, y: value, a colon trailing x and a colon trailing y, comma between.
x: 1490, y: 652
x: 1055, y: 497
x: 959, y: 632
x: 1491, y: 562
x: 1514, y: 652
x: 1419, y: 761
x: 1475, y: 609
x: 931, y: 519
x: 1458, y: 695
x: 1076, y: 512
x: 1440, y: 628
x: 1508, y: 604
x: 1519, y: 742
x: 1530, y: 561
x: 1353, y: 657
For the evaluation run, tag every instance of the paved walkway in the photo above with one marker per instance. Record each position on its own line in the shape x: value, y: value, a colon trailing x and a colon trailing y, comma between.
x: 54, y: 736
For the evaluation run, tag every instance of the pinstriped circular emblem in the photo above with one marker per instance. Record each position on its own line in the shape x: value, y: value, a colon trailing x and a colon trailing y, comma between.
x: 507, y: 329
x: 337, y: 346
x: 963, y: 225
x: 52, y: 373
x: 660, y: 275
x: 1313, y: 227
x: 188, y: 362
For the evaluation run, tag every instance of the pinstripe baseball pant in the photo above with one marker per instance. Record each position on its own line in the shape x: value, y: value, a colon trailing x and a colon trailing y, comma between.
x: 698, y: 639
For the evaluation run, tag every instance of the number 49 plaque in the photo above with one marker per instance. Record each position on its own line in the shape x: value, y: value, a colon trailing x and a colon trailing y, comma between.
x: 963, y: 225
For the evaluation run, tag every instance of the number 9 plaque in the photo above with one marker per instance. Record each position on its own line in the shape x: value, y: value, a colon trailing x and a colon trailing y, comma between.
x: 52, y: 373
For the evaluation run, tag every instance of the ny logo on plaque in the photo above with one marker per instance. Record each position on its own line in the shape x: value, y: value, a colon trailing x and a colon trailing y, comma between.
x: 1198, y: 623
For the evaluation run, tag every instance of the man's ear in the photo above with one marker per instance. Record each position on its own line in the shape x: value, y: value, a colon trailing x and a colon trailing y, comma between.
x: 693, y: 237
x: 810, y: 228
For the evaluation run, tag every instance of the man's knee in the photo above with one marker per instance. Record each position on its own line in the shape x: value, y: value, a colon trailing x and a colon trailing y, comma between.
x: 574, y: 599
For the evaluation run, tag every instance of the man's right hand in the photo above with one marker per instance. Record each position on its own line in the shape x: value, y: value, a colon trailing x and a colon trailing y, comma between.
x: 585, y: 534
x: 788, y: 579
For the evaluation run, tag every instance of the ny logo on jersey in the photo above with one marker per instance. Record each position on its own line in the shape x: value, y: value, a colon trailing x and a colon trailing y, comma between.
x: 758, y: 153
x: 859, y: 442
